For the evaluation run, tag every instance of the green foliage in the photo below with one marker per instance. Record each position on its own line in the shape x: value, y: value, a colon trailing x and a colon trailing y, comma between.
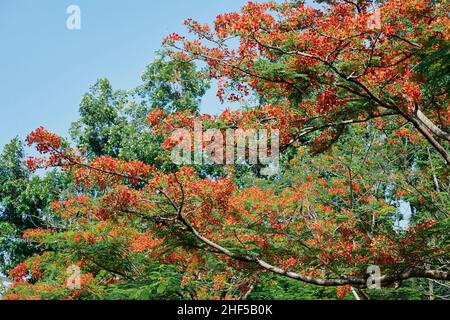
x: 161, y: 282
x: 271, y: 287
x: 435, y: 66
x: 172, y: 85
x: 24, y: 203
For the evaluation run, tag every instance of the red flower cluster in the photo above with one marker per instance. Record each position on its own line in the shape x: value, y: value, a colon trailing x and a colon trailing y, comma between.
x: 45, y: 141
x: 19, y: 272
x: 107, y: 171
x: 155, y: 116
x: 144, y: 242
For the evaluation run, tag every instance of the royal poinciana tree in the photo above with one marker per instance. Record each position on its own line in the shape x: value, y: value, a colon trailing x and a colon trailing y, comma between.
x: 361, y: 103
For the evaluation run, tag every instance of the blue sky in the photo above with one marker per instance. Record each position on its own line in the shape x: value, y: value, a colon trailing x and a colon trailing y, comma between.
x: 46, y: 68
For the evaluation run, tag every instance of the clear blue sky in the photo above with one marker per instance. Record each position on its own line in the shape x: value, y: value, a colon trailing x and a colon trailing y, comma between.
x: 46, y: 68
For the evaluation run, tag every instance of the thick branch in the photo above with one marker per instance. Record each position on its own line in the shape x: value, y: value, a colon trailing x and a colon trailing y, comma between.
x: 431, y: 126
x: 424, y: 131
x: 308, y: 130
x: 344, y: 280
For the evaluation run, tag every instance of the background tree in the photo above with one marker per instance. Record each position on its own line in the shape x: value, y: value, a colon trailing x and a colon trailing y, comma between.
x: 24, y: 203
x: 172, y: 85
x: 113, y: 122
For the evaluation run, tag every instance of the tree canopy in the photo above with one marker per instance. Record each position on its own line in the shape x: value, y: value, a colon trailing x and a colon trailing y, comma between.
x: 360, y: 99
